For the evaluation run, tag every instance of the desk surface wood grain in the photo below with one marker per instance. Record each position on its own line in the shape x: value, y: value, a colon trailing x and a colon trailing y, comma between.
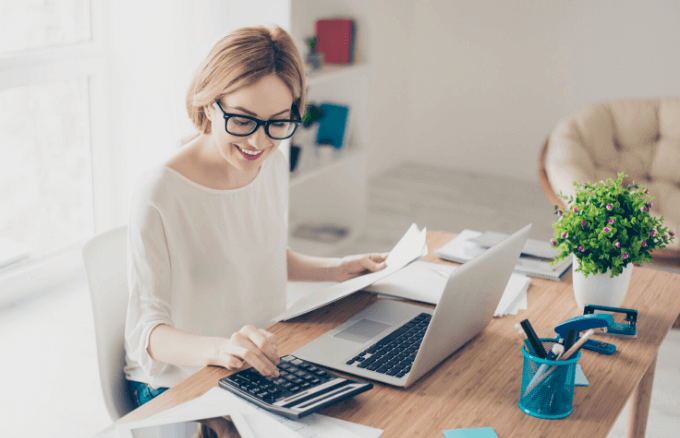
x: 479, y: 385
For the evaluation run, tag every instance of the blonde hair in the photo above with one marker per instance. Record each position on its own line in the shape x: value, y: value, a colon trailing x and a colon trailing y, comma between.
x: 240, y: 59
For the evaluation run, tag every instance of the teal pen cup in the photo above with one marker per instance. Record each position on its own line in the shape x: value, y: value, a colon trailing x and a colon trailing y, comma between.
x: 547, y: 385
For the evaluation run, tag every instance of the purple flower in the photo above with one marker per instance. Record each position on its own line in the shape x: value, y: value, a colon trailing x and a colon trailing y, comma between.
x: 580, y: 248
x: 606, y: 229
x: 625, y: 255
x: 617, y: 244
x: 643, y: 208
x: 646, y: 191
x: 609, y: 207
x: 553, y: 242
x: 644, y: 243
x: 584, y: 223
x: 575, y: 210
x: 650, y: 204
x: 611, y: 221
x: 672, y: 234
x: 651, y: 233
x: 564, y: 235
x: 559, y: 211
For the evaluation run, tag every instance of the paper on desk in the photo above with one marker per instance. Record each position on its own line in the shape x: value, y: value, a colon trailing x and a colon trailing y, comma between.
x: 424, y: 281
x: 266, y: 424
x: 411, y: 246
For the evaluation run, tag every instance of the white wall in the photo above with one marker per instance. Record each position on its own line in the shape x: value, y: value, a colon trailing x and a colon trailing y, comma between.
x: 489, y: 79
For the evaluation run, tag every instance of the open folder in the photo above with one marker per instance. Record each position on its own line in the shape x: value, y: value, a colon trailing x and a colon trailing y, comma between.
x: 410, y: 247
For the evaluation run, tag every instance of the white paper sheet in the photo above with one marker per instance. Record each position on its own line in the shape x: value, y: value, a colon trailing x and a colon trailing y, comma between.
x: 411, y: 247
x: 424, y: 281
x: 265, y: 424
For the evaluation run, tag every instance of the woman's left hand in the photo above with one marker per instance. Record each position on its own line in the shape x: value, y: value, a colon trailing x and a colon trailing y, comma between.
x: 356, y: 265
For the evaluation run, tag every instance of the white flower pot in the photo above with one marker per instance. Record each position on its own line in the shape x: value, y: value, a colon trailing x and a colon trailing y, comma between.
x: 599, y: 289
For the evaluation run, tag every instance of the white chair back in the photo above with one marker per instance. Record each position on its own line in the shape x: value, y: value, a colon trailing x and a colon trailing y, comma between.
x: 105, y: 257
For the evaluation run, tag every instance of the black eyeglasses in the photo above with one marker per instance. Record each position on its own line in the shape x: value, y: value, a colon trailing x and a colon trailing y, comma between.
x: 242, y: 126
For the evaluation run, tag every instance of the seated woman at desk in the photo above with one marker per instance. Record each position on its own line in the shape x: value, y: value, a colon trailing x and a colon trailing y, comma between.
x: 207, y: 254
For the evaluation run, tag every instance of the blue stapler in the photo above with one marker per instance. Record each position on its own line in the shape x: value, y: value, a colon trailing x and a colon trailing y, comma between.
x: 602, y: 323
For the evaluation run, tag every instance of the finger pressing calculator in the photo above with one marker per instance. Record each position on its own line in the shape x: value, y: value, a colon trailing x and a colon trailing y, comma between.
x: 302, y: 388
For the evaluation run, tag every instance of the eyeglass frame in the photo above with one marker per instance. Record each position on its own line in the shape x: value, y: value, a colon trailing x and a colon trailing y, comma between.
x: 259, y: 122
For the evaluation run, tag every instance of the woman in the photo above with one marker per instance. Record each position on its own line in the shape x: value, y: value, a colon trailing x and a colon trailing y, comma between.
x: 207, y: 255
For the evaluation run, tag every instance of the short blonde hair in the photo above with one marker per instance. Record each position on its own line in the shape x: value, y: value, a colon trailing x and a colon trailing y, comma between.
x: 240, y: 59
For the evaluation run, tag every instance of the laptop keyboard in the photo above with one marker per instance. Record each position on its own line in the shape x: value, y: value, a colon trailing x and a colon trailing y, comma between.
x: 394, y: 354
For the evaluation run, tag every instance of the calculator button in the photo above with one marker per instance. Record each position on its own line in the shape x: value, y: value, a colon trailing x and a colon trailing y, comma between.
x: 296, y: 362
x: 305, y: 385
x: 294, y: 389
x: 286, y: 385
x: 298, y: 381
x: 312, y: 368
x: 314, y: 381
x: 288, y: 358
x: 290, y: 377
x: 300, y: 374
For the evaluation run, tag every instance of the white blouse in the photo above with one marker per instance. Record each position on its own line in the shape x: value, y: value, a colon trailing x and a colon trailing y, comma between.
x: 203, y: 260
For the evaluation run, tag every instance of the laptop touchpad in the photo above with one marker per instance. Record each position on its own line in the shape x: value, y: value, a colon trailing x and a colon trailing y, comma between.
x: 362, y: 331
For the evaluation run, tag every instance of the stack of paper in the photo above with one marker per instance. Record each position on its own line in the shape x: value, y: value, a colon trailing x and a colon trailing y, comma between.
x: 466, y: 246
x: 411, y: 247
x: 424, y: 281
x: 262, y: 424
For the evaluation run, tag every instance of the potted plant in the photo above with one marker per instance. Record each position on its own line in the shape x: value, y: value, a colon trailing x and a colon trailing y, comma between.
x: 607, y: 228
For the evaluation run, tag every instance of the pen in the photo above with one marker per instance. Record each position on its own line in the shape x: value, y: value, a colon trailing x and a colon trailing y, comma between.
x: 574, y: 348
x: 570, y: 338
x: 523, y: 335
x: 535, y: 341
x: 555, y: 354
x: 565, y: 356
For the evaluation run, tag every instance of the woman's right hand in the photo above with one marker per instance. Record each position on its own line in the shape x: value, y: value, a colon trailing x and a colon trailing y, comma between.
x: 255, y: 346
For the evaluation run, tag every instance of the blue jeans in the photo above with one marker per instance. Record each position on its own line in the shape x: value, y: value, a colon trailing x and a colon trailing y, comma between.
x: 142, y: 393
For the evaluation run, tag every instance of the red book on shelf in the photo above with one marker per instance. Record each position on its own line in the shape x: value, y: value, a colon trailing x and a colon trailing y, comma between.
x: 335, y: 39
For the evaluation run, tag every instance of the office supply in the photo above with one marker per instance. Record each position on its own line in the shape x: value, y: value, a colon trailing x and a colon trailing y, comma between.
x: 336, y: 40
x: 549, y: 395
x: 574, y: 348
x: 425, y: 282
x: 585, y: 322
x: 533, y: 338
x: 461, y: 250
x: 570, y: 338
x: 225, y: 423
x: 616, y: 329
x: 525, y: 340
x: 535, y: 248
x: 555, y: 354
x: 397, y: 343
x: 479, y: 432
x: 458, y: 379
x: 410, y: 247
x: 265, y: 424
x: 301, y: 388
x: 580, y: 378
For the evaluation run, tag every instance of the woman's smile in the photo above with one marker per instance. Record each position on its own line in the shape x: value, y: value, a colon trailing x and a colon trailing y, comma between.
x: 250, y: 154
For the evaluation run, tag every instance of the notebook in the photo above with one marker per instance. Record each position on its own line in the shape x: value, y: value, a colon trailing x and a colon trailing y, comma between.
x: 464, y: 247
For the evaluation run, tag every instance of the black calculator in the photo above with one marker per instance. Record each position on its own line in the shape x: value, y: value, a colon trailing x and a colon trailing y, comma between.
x: 302, y: 388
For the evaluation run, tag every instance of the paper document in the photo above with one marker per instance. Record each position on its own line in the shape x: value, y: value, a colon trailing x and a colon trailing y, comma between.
x: 424, y: 281
x: 265, y: 424
x: 463, y: 248
x: 411, y: 247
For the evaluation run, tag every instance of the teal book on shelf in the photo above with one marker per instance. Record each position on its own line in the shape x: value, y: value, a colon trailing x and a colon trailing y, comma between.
x: 333, y: 125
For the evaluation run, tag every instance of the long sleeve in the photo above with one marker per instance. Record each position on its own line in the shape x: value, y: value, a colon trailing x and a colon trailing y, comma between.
x: 149, y: 281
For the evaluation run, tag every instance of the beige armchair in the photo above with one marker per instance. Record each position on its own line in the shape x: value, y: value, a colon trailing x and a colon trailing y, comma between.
x: 638, y: 137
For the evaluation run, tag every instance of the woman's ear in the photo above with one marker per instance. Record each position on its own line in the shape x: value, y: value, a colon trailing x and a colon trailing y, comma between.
x: 208, y: 111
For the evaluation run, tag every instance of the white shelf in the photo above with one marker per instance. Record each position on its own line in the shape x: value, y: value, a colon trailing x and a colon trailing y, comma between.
x: 300, y: 177
x: 331, y: 72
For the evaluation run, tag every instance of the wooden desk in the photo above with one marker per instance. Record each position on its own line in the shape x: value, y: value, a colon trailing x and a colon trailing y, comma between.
x: 479, y: 385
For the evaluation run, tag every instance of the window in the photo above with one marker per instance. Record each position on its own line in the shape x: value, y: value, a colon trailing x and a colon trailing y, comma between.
x: 52, y: 127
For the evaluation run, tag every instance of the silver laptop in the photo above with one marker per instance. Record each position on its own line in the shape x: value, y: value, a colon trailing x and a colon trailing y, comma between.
x: 397, y: 343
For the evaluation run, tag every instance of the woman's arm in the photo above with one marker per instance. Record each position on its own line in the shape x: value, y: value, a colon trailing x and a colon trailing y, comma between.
x: 257, y: 347
x: 308, y: 268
